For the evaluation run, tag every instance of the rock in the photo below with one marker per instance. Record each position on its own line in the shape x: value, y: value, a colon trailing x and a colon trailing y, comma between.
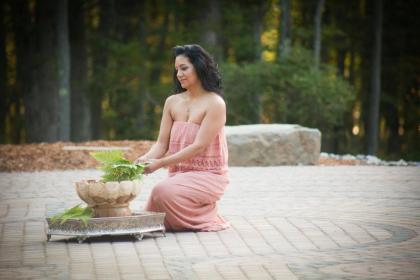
x: 401, y: 162
x: 373, y: 160
x: 370, y: 160
x: 272, y: 144
x: 348, y: 157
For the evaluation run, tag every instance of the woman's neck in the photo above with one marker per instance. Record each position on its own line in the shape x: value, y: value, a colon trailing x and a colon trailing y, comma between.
x: 195, y: 91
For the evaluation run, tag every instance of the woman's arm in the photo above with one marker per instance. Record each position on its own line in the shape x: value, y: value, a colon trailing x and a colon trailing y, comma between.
x: 212, y: 123
x: 161, y: 146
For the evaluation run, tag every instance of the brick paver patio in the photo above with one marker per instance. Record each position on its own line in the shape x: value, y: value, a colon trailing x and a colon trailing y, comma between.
x: 303, y: 222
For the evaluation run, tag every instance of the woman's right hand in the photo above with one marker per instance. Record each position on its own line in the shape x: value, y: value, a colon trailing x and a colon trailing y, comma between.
x: 141, y: 160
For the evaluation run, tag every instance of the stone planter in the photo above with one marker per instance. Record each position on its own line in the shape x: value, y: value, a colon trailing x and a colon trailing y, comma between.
x: 110, y: 199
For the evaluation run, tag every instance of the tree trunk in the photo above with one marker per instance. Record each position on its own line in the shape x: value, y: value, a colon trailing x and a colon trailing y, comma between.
x: 44, y: 125
x: 284, y: 45
x: 155, y: 72
x: 141, y: 116
x: 3, y: 76
x: 352, y: 65
x: 394, y: 139
x: 318, y: 37
x: 156, y: 69
x: 80, y: 110
x: 36, y: 68
x: 25, y: 39
x: 375, y: 81
x: 341, y: 57
x: 63, y: 70
x: 99, y: 66
x: 260, y: 10
x: 212, y: 22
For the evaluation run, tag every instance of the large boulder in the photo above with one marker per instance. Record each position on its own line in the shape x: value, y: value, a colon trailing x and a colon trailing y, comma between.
x: 272, y: 144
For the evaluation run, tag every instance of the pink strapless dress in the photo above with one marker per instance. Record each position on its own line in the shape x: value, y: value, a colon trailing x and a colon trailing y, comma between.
x: 189, y: 195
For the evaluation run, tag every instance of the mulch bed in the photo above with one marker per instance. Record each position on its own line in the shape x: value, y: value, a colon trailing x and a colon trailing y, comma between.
x: 50, y: 156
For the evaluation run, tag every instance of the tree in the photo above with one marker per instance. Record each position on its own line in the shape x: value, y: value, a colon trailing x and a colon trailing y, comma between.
x: 285, y: 22
x: 375, y: 80
x: 100, y: 60
x: 239, y: 31
x: 80, y: 108
x: 153, y: 72
x: 63, y: 50
x: 317, y: 37
x: 211, y: 24
x: 25, y: 48
x: 259, y: 9
x: 3, y: 74
x: 43, y: 118
x: 36, y: 67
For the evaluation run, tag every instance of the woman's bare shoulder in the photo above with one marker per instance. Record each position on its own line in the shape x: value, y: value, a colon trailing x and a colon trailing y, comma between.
x: 215, y: 100
x: 174, y: 98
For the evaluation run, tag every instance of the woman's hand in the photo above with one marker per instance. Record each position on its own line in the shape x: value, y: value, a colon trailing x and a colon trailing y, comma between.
x: 152, y: 165
x: 141, y: 160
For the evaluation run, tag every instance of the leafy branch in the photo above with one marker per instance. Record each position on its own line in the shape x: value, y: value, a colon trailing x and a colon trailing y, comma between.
x: 116, y: 167
x: 76, y: 212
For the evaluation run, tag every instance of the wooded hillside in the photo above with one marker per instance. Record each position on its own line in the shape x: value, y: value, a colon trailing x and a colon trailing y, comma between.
x: 83, y: 70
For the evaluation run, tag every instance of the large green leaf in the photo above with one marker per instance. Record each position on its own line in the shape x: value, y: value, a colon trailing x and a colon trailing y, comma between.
x: 109, y: 157
x: 76, y: 212
x: 116, y: 167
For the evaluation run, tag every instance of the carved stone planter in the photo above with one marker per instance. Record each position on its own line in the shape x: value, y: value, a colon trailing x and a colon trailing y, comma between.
x: 110, y: 199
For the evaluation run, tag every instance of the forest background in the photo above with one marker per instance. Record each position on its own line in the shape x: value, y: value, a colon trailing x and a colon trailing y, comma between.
x: 82, y: 70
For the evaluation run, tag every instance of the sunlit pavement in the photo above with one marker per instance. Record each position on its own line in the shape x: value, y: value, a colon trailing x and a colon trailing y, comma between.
x: 303, y: 222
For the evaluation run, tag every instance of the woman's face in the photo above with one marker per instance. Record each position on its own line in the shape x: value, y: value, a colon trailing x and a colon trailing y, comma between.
x: 185, y: 72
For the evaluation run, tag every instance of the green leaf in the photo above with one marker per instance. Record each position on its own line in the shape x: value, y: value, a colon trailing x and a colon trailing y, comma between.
x: 116, y: 167
x: 109, y: 157
x: 76, y: 212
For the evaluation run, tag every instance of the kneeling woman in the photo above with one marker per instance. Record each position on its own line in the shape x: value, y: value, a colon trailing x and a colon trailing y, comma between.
x: 192, y: 144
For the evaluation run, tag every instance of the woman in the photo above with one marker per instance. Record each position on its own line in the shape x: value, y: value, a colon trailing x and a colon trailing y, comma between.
x: 192, y: 144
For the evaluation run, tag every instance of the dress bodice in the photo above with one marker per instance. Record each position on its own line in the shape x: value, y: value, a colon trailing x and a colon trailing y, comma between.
x: 214, y: 158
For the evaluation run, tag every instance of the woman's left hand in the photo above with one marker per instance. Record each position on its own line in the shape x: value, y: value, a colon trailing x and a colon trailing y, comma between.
x: 153, y: 165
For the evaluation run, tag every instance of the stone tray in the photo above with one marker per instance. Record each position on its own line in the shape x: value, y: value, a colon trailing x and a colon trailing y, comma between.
x: 136, y: 225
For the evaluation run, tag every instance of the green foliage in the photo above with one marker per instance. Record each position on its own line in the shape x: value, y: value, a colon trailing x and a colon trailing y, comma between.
x: 128, y: 68
x: 239, y: 20
x: 116, y: 167
x: 288, y: 92
x: 76, y: 212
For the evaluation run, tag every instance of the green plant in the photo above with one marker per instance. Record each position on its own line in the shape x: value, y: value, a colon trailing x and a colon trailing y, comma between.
x: 116, y: 167
x: 76, y: 212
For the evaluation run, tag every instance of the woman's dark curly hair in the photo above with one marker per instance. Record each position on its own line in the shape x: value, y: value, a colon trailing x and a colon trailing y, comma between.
x: 205, y: 67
